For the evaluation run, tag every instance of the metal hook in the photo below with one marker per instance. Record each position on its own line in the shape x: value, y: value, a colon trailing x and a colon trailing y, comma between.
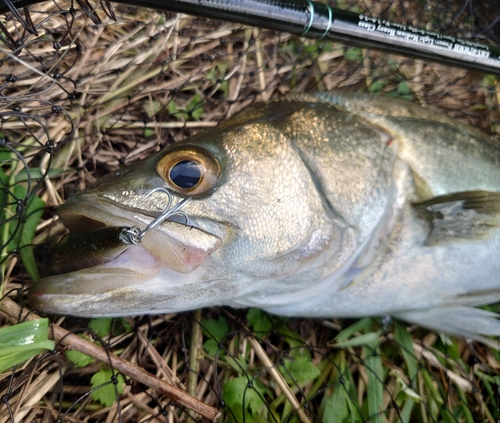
x: 135, y: 235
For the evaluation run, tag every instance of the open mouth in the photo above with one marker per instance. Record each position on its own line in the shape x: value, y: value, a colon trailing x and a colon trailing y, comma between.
x: 98, y: 228
x: 98, y: 238
x: 94, y: 266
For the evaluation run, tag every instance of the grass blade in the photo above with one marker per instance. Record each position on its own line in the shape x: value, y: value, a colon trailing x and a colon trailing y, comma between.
x: 375, y: 388
x: 20, y: 342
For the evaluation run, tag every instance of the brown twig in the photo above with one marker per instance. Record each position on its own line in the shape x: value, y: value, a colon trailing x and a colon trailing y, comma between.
x: 73, y: 342
x: 196, y: 340
x: 278, y: 379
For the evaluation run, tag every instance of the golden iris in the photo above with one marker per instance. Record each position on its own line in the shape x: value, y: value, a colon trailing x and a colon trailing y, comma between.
x: 189, y: 170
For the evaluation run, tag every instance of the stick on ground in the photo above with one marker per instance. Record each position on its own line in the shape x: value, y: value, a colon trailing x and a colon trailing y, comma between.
x: 74, y: 342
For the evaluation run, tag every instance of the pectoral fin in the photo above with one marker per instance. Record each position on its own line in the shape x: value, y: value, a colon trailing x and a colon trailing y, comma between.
x: 466, y: 215
x: 469, y: 322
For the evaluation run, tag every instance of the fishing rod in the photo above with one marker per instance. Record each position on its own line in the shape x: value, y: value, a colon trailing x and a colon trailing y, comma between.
x: 316, y: 20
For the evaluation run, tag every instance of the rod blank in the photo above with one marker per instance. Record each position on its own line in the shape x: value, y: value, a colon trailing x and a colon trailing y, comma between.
x: 317, y: 20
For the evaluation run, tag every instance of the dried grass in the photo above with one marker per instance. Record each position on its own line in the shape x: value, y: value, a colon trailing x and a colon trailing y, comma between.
x: 115, y: 85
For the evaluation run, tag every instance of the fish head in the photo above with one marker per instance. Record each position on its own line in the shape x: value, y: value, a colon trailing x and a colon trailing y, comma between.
x: 257, y: 228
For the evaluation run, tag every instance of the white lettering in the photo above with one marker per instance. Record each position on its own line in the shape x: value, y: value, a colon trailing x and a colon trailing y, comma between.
x: 367, y: 26
x: 423, y: 36
x: 387, y: 30
x: 471, y: 51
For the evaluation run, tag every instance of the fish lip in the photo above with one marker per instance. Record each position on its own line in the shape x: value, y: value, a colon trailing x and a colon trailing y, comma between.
x: 52, y: 295
x: 117, y: 289
x: 101, y: 212
x: 77, y: 292
x: 107, y: 213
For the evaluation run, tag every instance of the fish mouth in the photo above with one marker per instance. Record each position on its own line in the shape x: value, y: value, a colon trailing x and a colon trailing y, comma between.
x: 91, y: 213
x: 135, y: 281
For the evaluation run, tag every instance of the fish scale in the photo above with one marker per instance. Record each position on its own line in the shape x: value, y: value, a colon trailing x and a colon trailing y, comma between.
x: 317, y: 205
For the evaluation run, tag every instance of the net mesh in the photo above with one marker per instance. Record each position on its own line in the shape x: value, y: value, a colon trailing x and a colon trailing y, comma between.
x: 85, y: 88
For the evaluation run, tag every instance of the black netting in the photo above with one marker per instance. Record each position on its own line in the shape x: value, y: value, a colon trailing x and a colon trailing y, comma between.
x: 86, y: 87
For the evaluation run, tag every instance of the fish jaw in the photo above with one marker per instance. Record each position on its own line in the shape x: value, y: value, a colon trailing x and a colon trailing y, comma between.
x: 143, y: 278
x: 178, y: 246
x: 135, y: 282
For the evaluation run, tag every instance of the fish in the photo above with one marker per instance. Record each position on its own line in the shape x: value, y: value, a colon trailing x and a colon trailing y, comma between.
x: 316, y: 205
x: 81, y: 250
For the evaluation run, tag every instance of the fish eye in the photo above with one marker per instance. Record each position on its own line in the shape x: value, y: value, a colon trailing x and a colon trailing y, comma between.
x: 185, y: 174
x: 189, y: 170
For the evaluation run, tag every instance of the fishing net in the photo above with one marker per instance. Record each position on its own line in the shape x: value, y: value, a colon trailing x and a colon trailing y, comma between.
x: 86, y: 87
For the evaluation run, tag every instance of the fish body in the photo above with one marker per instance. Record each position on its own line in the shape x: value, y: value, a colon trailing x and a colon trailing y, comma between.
x: 314, y: 205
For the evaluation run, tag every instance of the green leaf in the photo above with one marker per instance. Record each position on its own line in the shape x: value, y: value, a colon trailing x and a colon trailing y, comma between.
x: 5, y: 154
x: 259, y: 321
x: 37, y: 173
x: 479, y: 107
x: 216, y: 329
x: 489, y: 81
x: 127, y: 327
x: 172, y: 107
x: 237, y: 363
x: 488, y: 381
x: 26, y: 231
x: 448, y: 417
x: 468, y: 414
x: 149, y: 132
x: 376, y: 87
x: 336, y: 406
x: 240, y: 396
x: 432, y: 391
x: 20, y: 342
x: 360, y: 325
x: 408, y: 97
x: 354, y: 54
x: 217, y: 74
x: 101, y: 326
x: 299, y: 370
x: 405, y: 343
x: 211, y: 347
x: 344, y: 370
x: 222, y: 67
x: 375, y: 387
x: 292, y: 338
x: 403, y: 88
x: 4, y: 183
x: 357, y: 341
x: 224, y: 87
x: 24, y: 333
x: 106, y: 394
x: 12, y: 356
x: 406, y: 413
x: 195, y: 106
x: 410, y: 393
x: 78, y: 358
x: 152, y: 108
x: 211, y: 75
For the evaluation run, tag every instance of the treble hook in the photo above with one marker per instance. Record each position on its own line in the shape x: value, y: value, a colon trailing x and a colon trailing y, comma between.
x: 135, y: 235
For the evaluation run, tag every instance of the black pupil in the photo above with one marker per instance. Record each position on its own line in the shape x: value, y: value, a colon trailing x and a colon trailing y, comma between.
x: 185, y: 174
